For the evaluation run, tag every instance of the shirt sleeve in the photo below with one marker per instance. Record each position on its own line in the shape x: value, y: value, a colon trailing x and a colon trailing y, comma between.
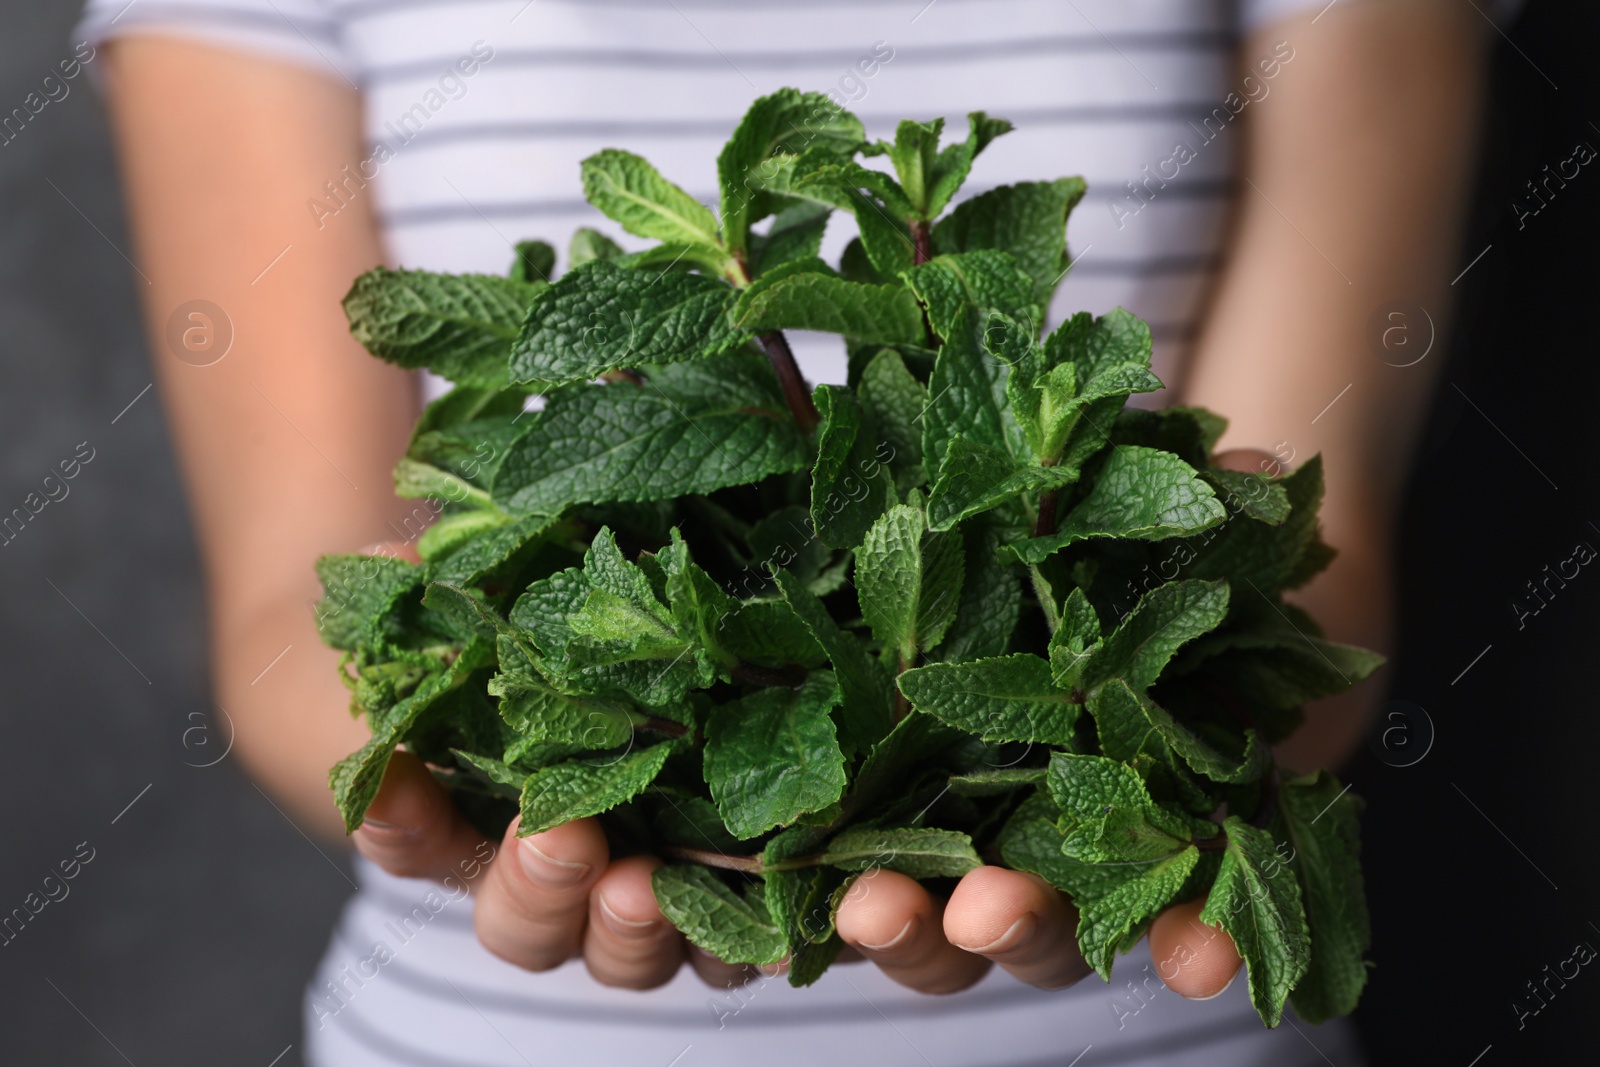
x: 1254, y: 14
x: 301, y: 31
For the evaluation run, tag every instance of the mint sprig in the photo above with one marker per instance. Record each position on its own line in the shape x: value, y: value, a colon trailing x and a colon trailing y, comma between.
x: 966, y: 607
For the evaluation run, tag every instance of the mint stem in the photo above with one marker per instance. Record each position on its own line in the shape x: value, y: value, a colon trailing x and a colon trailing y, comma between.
x: 921, y: 242
x: 707, y: 858
x: 795, y: 390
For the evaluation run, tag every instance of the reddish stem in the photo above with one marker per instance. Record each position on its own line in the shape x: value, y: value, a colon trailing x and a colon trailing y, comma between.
x: 921, y: 242
x: 795, y: 390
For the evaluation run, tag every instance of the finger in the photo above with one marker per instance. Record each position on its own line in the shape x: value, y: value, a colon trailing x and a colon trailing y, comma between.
x: 1194, y: 960
x: 893, y: 921
x: 717, y: 974
x: 1249, y: 460
x: 1018, y: 921
x: 413, y: 829
x: 628, y: 942
x: 534, y: 903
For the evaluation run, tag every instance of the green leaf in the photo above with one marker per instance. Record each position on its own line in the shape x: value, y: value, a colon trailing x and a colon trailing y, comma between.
x: 1320, y: 823
x: 588, y: 245
x: 452, y: 532
x: 1108, y: 814
x: 540, y: 713
x: 967, y: 397
x: 1139, y: 493
x: 492, y: 552
x: 1167, y: 618
x: 711, y: 915
x: 850, y: 487
x: 909, y: 580
x: 583, y: 787
x: 692, y: 428
x: 1256, y: 899
x: 774, y: 755
x: 979, y: 281
x: 1114, y: 900
x: 1269, y: 558
x: 1115, y: 698
x: 603, y: 316
x: 1028, y: 220
x: 866, y: 714
x: 991, y: 602
x: 801, y: 904
x: 356, y: 588
x: 996, y: 782
x: 459, y: 326
x: 814, y: 300
x: 975, y: 478
x: 633, y: 193
x: 795, y: 235
x: 919, y: 852
x: 1009, y: 698
x: 894, y: 401
x: 417, y: 481
x: 784, y: 123
x: 355, y: 779
x: 954, y: 162
x: 535, y: 262
x: 1249, y: 493
x: 1076, y: 641
x: 915, y: 149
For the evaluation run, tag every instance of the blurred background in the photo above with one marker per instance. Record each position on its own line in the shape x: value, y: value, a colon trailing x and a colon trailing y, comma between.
x: 194, y: 910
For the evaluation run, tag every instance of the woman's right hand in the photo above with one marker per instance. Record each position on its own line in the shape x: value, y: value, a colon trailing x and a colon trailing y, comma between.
x: 539, y: 900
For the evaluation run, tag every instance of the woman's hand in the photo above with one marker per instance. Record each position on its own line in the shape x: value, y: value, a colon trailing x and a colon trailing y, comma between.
x: 1020, y: 922
x: 541, y: 899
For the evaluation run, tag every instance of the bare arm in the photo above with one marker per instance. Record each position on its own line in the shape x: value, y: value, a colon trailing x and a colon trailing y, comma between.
x: 287, y: 443
x: 1356, y: 168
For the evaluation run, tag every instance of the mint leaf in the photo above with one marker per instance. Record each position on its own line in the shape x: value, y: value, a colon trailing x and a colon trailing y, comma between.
x: 458, y: 326
x: 916, y: 851
x: 354, y: 590
x: 1256, y: 899
x: 784, y: 123
x: 692, y: 428
x: 984, y: 280
x: 967, y: 397
x: 1115, y: 699
x: 909, y: 580
x: 991, y: 602
x: 583, y: 787
x: 1009, y: 698
x: 894, y: 401
x: 535, y: 262
x: 864, y: 688
x: 1251, y: 494
x: 850, y: 487
x: 634, y: 194
x: 815, y: 300
x: 1167, y: 618
x: 711, y: 915
x: 603, y: 316
x: 1076, y: 641
x: 1028, y: 220
x: 1139, y: 493
x: 1319, y: 823
x: 975, y: 478
x: 588, y: 245
x: 795, y: 235
x: 954, y: 162
x: 774, y: 755
x: 1108, y: 814
x: 913, y: 153
x: 1115, y: 901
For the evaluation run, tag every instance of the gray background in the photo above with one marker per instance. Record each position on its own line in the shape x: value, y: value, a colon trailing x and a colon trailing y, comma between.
x: 189, y: 936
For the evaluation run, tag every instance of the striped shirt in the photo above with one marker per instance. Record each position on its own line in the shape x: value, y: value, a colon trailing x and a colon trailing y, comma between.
x: 477, y: 115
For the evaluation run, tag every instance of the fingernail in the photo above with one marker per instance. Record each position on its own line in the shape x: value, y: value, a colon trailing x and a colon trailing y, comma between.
x: 905, y: 932
x: 626, y: 927
x: 1224, y: 989
x: 1019, y: 932
x: 381, y: 827
x: 548, y: 871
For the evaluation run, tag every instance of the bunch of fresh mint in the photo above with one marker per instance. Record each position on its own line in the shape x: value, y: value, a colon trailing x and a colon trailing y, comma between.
x: 968, y: 608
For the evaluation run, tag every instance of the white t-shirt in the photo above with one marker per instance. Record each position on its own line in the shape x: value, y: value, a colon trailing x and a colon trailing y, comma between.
x: 478, y: 114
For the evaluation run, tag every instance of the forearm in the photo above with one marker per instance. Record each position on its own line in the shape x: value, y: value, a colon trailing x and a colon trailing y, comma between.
x: 286, y: 443
x: 1354, y: 192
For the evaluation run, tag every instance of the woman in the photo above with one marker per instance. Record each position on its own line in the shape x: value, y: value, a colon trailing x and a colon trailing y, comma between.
x: 273, y: 150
